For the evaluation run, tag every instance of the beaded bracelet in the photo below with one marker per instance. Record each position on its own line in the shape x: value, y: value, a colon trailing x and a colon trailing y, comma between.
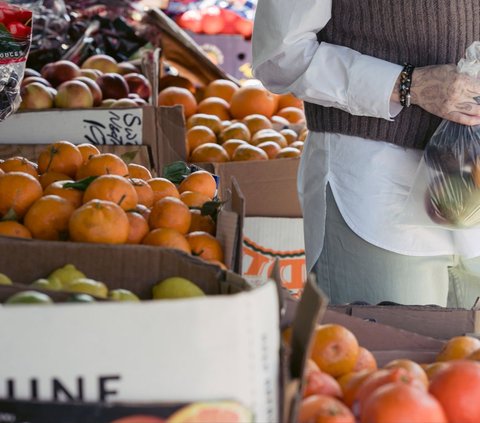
x: 405, y: 84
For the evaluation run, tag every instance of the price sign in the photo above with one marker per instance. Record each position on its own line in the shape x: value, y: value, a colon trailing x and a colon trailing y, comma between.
x: 96, y: 126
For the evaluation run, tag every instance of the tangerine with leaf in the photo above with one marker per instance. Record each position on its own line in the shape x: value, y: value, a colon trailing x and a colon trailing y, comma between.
x: 62, y: 157
x: 18, y: 191
x: 114, y: 188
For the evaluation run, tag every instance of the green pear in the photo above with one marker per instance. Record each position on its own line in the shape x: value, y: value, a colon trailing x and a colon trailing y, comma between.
x: 122, y: 295
x: 88, y: 286
x: 176, y: 287
x: 66, y: 274
x: 52, y: 284
x: 29, y: 297
x: 4, y: 279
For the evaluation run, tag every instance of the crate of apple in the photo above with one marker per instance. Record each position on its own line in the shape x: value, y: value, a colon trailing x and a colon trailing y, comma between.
x: 99, y: 82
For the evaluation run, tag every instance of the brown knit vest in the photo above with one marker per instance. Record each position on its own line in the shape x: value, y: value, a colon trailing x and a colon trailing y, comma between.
x: 421, y: 32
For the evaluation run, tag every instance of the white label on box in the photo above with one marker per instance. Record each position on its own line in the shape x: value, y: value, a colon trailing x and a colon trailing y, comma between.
x: 96, y: 126
x: 213, y: 348
x: 266, y: 239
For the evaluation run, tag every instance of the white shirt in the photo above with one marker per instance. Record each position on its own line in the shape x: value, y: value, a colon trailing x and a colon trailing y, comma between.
x: 370, y: 180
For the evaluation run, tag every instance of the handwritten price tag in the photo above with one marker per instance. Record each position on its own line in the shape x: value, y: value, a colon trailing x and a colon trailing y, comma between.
x: 116, y: 128
x: 97, y: 126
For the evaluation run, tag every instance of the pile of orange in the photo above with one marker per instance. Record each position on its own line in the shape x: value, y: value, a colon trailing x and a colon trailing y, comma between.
x: 78, y: 194
x: 342, y: 383
x: 232, y: 123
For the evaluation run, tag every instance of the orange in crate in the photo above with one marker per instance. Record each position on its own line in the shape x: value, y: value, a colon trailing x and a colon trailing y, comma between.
x: 99, y: 221
x: 168, y: 238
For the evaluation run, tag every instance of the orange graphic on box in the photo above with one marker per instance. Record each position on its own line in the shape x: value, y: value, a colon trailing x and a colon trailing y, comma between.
x: 258, y: 261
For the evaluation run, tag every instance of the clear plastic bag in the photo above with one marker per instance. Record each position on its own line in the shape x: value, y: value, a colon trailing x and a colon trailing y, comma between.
x: 15, y: 40
x: 446, y: 189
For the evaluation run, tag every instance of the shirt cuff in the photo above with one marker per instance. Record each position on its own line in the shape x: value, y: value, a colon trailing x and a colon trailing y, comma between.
x: 371, y: 82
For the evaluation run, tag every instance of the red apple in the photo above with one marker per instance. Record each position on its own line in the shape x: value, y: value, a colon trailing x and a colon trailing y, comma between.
x: 137, y: 83
x: 60, y: 71
x: 113, y: 85
x: 36, y: 96
x: 74, y: 95
x: 30, y: 79
x: 126, y: 67
x: 102, y: 62
x: 94, y: 88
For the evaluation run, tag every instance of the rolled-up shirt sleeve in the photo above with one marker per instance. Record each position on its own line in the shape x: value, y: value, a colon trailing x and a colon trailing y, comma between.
x: 287, y: 57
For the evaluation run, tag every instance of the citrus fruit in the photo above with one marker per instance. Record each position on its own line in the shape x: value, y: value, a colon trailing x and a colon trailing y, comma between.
x: 399, y: 403
x: 335, y: 349
x: 114, y: 188
x: 14, y: 229
x: 201, y: 181
x: 170, y: 212
x: 48, y: 218
x: 457, y: 388
x: 99, y: 221
x: 167, y: 238
x: 28, y: 297
x: 61, y: 157
x: 209, y: 153
x: 87, y: 286
x: 205, y: 246
x: 458, y: 347
x: 172, y: 96
x: 122, y: 295
x: 249, y: 100
x: 18, y: 191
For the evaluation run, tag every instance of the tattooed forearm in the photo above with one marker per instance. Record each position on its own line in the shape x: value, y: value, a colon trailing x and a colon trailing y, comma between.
x: 444, y: 92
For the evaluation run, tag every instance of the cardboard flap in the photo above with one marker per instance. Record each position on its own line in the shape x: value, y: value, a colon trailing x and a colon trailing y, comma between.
x: 171, y: 135
x: 227, y: 236
x: 262, y: 185
x: 238, y: 206
x: 180, y: 50
x: 310, y: 311
x: 436, y: 322
x: 375, y: 336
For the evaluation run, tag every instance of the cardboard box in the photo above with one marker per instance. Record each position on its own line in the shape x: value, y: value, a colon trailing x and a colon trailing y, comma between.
x: 140, y: 352
x: 270, y: 239
x: 436, y: 322
x: 384, y: 341
x: 142, y: 130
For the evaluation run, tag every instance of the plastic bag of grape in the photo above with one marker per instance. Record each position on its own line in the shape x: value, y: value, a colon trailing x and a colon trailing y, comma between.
x: 446, y: 187
x: 15, y: 40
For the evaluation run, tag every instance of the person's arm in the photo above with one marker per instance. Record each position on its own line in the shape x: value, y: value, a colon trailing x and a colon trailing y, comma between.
x: 288, y: 58
x: 444, y: 92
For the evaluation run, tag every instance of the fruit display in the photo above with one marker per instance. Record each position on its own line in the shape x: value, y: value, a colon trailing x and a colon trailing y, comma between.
x: 214, y: 20
x: 75, y: 193
x: 69, y: 279
x: 232, y: 123
x: 98, y: 82
x: 342, y: 382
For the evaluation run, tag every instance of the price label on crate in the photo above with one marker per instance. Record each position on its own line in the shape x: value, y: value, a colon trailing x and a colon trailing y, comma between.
x: 95, y: 126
